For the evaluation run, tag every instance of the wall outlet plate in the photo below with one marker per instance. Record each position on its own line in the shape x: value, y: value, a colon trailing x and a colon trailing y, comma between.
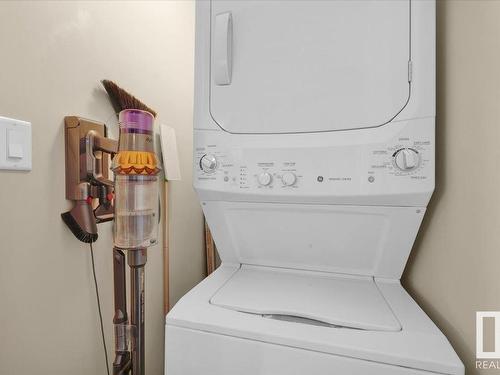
x: 15, y: 144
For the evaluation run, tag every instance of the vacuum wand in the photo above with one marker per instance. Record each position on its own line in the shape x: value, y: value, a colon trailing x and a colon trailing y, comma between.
x: 137, y: 261
x: 122, y: 363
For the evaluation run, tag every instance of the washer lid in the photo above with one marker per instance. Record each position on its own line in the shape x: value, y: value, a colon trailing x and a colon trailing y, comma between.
x: 326, y: 299
x: 308, y: 66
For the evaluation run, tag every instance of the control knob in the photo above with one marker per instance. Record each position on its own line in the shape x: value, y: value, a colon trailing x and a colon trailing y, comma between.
x: 208, y: 163
x: 406, y: 159
x: 288, y: 178
x: 264, y: 178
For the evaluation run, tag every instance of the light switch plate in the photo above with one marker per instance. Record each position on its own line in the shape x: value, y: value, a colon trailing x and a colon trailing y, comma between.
x: 15, y: 144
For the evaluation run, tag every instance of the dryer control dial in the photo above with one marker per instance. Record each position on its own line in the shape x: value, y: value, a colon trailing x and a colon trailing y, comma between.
x: 264, y: 178
x: 288, y: 178
x: 406, y: 159
x: 208, y: 163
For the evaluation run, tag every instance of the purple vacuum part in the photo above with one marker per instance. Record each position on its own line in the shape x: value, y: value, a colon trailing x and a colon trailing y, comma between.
x: 136, y: 193
x: 136, y: 121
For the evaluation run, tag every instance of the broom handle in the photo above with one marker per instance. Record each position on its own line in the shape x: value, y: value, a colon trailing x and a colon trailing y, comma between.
x: 166, y: 263
x: 209, y: 250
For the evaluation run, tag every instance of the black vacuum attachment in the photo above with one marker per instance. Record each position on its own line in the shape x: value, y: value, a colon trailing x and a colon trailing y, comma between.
x: 81, y: 221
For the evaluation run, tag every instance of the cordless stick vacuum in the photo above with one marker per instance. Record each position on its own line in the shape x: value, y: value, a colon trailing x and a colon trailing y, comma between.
x: 135, y: 229
x: 131, y: 200
x: 136, y: 219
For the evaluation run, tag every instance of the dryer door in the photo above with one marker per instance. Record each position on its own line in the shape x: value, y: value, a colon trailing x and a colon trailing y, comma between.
x: 308, y: 66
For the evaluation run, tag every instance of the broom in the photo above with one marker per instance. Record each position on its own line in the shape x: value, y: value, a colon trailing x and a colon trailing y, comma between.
x: 121, y: 99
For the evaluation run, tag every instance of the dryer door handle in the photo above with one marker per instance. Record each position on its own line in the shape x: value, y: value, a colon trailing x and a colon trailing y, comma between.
x: 223, y: 46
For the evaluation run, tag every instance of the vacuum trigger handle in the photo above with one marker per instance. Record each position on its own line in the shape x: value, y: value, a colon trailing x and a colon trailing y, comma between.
x: 96, y: 145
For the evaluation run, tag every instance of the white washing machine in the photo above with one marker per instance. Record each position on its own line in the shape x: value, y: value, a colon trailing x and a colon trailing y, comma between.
x: 314, y: 164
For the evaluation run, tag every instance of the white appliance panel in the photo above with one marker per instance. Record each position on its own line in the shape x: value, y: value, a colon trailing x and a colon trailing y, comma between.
x: 358, y: 240
x: 308, y: 66
x: 358, y: 167
x: 194, y: 352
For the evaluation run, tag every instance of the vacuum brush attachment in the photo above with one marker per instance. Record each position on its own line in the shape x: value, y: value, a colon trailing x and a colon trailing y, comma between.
x: 81, y: 221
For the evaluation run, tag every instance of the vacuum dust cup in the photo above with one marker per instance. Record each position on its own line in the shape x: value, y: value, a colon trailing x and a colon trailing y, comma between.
x: 136, y: 182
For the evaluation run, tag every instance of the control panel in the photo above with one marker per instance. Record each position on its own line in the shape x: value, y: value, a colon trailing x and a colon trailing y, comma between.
x: 403, y: 164
x: 215, y: 164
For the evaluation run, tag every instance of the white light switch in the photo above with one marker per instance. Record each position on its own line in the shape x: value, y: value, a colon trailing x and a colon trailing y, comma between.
x: 15, y: 144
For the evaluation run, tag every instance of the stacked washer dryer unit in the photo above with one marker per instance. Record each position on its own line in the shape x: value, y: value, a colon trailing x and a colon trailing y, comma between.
x: 314, y: 164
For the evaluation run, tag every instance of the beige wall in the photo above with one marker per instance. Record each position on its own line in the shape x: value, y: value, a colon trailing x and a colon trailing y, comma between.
x: 52, y: 58
x: 454, y: 270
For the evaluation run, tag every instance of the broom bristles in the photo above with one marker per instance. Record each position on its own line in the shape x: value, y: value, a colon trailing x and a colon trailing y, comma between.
x: 121, y: 99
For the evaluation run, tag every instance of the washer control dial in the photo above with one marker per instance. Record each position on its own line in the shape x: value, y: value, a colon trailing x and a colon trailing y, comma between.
x: 288, y: 179
x: 406, y: 159
x: 264, y: 179
x: 208, y: 163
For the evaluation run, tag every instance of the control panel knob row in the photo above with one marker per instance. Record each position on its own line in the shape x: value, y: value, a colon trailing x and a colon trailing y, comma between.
x: 208, y: 163
x: 406, y: 159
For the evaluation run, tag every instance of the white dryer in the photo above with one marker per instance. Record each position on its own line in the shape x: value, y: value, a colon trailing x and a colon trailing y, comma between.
x: 314, y: 164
